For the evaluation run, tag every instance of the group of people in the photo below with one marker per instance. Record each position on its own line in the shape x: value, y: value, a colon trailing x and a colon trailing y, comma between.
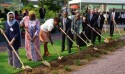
x: 36, y: 32
x: 88, y: 26
x: 33, y: 34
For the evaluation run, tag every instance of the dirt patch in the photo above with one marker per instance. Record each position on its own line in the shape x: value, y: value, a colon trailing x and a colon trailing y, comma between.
x: 75, y: 61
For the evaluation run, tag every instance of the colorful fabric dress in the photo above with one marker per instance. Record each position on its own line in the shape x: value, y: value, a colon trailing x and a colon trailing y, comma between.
x: 33, y: 28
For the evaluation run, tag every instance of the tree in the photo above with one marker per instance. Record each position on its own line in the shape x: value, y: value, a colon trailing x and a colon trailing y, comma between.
x: 54, y: 5
x: 24, y: 1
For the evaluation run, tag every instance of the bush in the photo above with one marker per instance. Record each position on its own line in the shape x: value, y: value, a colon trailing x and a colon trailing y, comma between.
x: 67, y: 68
x: 2, y: 21
x: 49, y: 13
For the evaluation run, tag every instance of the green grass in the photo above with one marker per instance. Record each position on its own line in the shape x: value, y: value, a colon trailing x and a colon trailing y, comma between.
x: 6, y: 69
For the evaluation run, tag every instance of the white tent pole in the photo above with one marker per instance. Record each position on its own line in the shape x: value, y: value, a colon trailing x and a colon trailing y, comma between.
x: 80, y: 7
x: 68, y: 6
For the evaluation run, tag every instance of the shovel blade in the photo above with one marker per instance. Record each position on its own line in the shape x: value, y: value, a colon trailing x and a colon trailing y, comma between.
x: 27, y: 68
x: 46, y: 63
x: 60, y: 57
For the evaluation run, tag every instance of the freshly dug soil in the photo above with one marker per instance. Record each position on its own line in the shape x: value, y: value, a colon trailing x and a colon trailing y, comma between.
x: 63, y: 66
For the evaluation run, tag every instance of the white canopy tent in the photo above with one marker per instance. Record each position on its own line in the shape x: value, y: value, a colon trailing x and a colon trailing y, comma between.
x: 98, y: 1
x: 105, y: 2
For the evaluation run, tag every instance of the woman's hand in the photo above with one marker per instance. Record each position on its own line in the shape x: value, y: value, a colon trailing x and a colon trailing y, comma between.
x: 32, y: 40
x: 2, y: 31
x: 11, y: 42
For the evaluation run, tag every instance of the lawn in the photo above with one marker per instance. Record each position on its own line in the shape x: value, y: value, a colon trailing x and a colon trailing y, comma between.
x: 6, y: 69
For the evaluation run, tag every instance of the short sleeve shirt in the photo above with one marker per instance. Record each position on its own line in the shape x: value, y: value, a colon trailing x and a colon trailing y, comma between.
x: 48, y: 25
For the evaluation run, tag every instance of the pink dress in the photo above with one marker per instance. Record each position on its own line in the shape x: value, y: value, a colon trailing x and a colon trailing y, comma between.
x: 31, y: 51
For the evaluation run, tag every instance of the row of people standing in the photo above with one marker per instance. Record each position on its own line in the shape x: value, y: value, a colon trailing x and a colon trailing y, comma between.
x: 33, y: 31
x: 80, y: 25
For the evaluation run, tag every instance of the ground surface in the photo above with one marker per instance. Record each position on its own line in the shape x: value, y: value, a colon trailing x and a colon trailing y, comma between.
x: 5, y: 69
x: 110, y: 64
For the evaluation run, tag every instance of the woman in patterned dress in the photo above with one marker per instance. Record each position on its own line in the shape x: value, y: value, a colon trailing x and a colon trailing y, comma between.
x: 32, y: 26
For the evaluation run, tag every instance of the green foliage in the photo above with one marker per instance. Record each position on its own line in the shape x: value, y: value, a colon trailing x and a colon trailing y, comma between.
x: 50, y: 14
x: 53, y: 5
x: 97, y: 55
x: 24, y: 1
x: 104, y: 51
x: 55, y: 72
x: 2, y: 21
x: 28, y: 6
x: 77, y: 62
x: 67, y: 68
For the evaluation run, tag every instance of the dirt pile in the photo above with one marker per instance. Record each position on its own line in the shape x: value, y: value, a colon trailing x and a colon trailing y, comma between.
x: 63, y: 66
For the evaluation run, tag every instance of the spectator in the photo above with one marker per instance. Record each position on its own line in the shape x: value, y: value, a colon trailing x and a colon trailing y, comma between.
x: 1, y: 14
x: 16, y: 15
x: 42, y: 12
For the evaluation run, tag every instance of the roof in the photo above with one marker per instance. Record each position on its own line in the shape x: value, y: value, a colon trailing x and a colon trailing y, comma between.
x: 5, y: 5
x: 98, y: 1
x: 33, y: 0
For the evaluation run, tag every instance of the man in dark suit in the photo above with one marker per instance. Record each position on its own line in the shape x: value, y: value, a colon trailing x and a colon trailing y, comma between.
x: 100, y: 22
x: 42, y: 12
x: 92, y: 21
x: 66, y: 26
x: 112, y: 18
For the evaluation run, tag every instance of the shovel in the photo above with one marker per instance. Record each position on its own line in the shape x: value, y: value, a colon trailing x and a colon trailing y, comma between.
x: 106, y: 40
x: 59, y: 57
x: 81, y: 38
x: 70, y: 39
x: 27, y: 68
x: 90, y: 43
x: 43, y: 61
x: 117, y: 28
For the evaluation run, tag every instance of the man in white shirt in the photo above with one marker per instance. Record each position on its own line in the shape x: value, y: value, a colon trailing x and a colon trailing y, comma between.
x: 45, y: 30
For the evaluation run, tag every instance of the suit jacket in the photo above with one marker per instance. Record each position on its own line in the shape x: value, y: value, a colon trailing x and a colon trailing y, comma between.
x: 110, y: 17
x: 77, y: 27
x: 67, y: 24
x: 42, y: 12
x: 13, y: 34
x: 102, y: 18
x: 93, y: 21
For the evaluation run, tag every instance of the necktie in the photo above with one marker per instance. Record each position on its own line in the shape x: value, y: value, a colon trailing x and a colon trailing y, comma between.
x: 64, y: 26
x: 90, y: 17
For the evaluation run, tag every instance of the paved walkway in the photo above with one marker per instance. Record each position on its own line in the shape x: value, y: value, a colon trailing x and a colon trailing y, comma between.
x: 109, y: 64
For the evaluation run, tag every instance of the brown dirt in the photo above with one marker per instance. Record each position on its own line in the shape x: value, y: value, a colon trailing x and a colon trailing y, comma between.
x: 58, y: 66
